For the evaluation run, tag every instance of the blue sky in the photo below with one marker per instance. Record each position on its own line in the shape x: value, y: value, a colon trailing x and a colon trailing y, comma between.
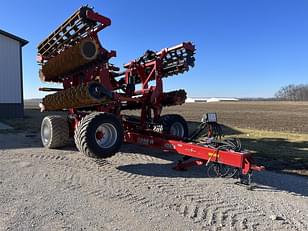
x: 245, y: 48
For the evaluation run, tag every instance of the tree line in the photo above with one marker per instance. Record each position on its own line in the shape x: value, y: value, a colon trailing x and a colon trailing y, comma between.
x: 293, y: 92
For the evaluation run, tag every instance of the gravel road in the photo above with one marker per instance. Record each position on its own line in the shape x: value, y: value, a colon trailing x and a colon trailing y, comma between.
x: 136, y: 190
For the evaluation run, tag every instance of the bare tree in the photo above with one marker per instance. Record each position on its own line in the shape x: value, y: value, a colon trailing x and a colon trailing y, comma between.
x: 293, y: 92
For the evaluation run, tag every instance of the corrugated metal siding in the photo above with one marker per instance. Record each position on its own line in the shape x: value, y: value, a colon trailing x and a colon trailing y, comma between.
x: 10, y: 85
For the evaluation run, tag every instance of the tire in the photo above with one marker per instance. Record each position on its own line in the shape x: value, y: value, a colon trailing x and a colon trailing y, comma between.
x: 174, y: 125
x: 54, y: 132
x: 99, y: 135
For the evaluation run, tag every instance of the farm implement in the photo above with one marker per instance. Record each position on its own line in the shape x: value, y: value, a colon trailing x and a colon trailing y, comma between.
x: 95, y: 93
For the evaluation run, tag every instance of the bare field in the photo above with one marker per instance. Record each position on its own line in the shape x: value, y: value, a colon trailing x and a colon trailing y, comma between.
x: 260, y: 115
x: 270, y: 116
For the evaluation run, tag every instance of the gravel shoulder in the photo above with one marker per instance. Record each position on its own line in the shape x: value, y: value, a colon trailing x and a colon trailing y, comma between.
x: 136, y: 190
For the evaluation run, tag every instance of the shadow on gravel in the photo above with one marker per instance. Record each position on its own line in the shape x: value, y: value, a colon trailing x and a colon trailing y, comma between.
x: 19, y: 140
x: 163, y: 170
x: 27, y: 140
x: 265, y: 182
x: 279, y: 154
x: 275, y: 182
x: 269, y: 181
x: 158, y: 169
x: 147, y: 153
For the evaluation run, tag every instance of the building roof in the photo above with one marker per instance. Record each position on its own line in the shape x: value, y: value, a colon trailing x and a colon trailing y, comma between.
x: 7, y: 34
x: 207, y: 99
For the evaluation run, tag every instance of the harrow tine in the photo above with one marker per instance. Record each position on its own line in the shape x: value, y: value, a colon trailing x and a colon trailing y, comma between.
x: 178, y: 59
x: 76, y: 27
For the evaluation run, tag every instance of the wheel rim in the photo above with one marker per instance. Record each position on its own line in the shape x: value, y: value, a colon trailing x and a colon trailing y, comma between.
x: 177, y: 129
x: 106, y: 135
x: 45, y: 134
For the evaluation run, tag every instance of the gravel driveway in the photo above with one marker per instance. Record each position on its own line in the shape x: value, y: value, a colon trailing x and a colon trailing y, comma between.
x: 136, y: 190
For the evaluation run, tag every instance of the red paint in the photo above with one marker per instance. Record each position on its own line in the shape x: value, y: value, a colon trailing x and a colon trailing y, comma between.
x: 231, y: 158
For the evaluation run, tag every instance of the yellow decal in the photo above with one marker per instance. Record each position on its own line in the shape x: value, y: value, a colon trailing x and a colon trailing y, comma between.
x: 215, y: 155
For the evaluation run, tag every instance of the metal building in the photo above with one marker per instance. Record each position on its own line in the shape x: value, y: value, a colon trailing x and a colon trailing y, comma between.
x: 208, y: 100
x: 11, y: 89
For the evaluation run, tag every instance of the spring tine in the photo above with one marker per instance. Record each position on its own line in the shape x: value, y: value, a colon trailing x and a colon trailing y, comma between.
x: 76, y: 27
x: 178, y: 60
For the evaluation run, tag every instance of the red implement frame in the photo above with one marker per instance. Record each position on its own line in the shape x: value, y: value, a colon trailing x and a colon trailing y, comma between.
x: 153, y: 66
x: 204, y: 154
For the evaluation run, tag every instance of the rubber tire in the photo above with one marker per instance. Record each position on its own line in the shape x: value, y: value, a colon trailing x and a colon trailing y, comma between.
x: 85, y: 135
x: 59, y: 131
x: 168, y: 120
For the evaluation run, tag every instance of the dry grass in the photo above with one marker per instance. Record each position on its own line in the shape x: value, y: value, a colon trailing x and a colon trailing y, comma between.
x: 277, y: 150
